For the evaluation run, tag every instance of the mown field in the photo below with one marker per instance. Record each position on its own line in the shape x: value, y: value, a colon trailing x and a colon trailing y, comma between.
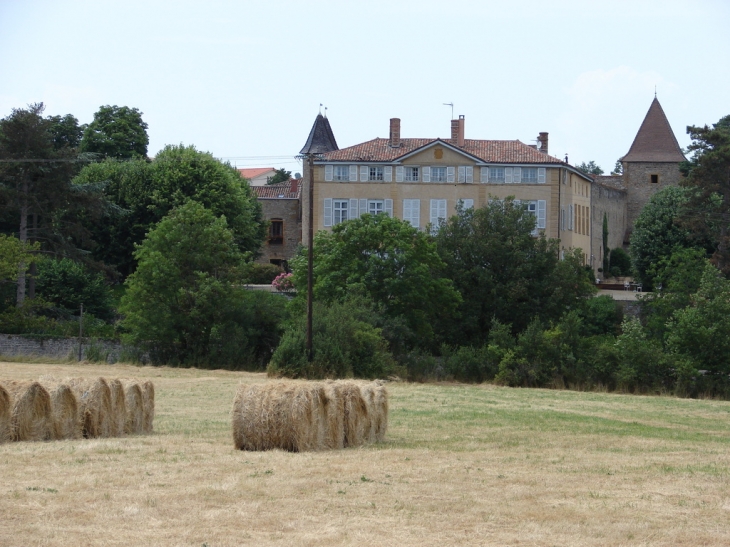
x: 462, y: 465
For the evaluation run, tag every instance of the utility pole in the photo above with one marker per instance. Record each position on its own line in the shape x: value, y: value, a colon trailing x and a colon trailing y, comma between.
x: 81, y: 330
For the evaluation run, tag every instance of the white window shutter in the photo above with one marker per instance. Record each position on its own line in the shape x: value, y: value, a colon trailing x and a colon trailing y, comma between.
x: 570, y: 217
x: 426, y: 174
x: 388, y: 173
x: 363, y: 207
x: 328, y: 212
x: 450, y: 174
x: 462, y: 173
x: 415, y: 218
x: 541, y: 213
x: 407, y: 210
x: 353, y: 173
x: 442, y: 208
x: 508, y: 175
x: 484, y: 175
x: 364, y: 173
x: 541, y: 175
x: 435, y: 212
x: 467, y: 204
x: 328, y: 172
x: 469, y: 174
x: 517, y: 174
x: 389, y: 207
x: 399, y: 173
x: 353, y: 209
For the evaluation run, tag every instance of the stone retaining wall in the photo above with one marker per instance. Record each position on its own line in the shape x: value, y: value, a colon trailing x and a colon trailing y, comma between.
x: 58, y: 348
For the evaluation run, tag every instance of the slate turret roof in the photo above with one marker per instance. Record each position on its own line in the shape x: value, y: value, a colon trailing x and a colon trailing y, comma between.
x: 655, y: 141
x: 321, y: 139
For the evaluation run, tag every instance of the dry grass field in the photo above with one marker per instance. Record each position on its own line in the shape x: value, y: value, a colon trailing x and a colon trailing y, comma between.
x: 461, y: 465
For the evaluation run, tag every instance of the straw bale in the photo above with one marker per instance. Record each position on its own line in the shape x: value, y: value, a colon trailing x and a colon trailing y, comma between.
x: 290, y: 415
x: 95, y: 405
x: 148, y: 405
x: 334, y: 416
x: 31, y: 415
x: 119, y: 408
x: 5, y: 410
x: 381, y: 406
x: 355, y: 416
x: 64, y: 409
x: 134, y: 403
x: 368, y: 395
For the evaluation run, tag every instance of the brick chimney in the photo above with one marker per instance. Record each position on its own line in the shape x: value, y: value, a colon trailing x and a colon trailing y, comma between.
x: 542, y: 138
x: 457, y: 131
x: 394, y: 132
x: 294, y: 186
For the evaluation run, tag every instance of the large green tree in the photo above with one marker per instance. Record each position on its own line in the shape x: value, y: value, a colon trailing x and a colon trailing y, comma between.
x: 280, y: 175
x: 116, y: 132
x: 502, y: 271
x: 707, y: 211
x: 388, y: 261
x: 657, y: 234
x: 147, y: 191
x: 183, y: 304
x: 590, y: 168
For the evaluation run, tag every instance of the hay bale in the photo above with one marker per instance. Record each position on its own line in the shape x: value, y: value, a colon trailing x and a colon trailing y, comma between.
x: 134, y: 403
x: 31, y: 414
x: 333, y: 436
x: 355, y: 416
x: 119, y: 407
x: 95, y: 405
x: 368, y: 395
x: 64, y: 409
x: 381, y: 408
x: 148, y: 405
x: 5, y: 410
x: 290, y: 416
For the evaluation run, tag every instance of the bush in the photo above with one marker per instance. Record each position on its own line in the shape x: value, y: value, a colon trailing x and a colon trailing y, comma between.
x: 619, y: 261
x: 262, y: 274
x: 600, y: 315
x: 345, y: 345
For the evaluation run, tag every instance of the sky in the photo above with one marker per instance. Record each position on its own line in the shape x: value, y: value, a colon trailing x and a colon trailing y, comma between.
x: 244, y: 80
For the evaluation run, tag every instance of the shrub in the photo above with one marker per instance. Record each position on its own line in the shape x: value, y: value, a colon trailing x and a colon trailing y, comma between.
x: 619, y: 260
x: 262, y: 274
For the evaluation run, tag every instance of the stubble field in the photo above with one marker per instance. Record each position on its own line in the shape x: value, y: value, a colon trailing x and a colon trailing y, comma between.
x: 461, y: 465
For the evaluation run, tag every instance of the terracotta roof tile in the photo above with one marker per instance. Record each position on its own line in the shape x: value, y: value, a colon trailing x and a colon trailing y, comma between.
x: 487, y: 151
x: 655, y: 141
x: 283, y: 190
x: 254, y: 172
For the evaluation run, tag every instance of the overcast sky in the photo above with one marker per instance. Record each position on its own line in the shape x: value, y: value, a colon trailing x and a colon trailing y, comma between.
x: 244, y: 79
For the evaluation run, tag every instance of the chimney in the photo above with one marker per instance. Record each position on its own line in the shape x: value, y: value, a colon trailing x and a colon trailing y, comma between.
x: 294, y: 186
x: 542, y: 138
x: 457, y: 131
x: 395, y: 132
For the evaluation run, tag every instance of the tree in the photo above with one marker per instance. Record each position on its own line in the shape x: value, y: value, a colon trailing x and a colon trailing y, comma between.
x: 116, y: 132
x: 707, y: 210
x: 280, y: 175
x: 182, y: 303
x: 147, y: 191
x: 389, y: 262
x: 66, y: 131
x: 618, y: 169
x: 590, y: 168
x: 502, y: 271
x: 656, y: 233
x: 36, y: 190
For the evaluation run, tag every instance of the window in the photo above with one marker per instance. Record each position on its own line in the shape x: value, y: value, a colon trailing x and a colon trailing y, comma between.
x: 276, y: 232
x: 412, y: 211
x: 466, y: 173
x: 438, y: 212
x: 376, y: 173
x: 466, y: 204
x: 340, y: 209
x: 341, y: 173
x: 538, y: 209
x: 376, y: 206
x: 410, y: 174
x: 654, y: 179
x: 496, y: 174
x: 438, y: 174
x: 529, y: 175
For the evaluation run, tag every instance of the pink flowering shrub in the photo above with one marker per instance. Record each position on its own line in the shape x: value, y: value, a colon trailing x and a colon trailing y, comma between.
x: 284, y: 282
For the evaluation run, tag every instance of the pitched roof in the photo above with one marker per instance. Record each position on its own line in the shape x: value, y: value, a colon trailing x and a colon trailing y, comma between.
x: 282, y: 190
x: 655, y: 141
x: 255, y: 172
x: 321, y: 139
x: 486, y: 151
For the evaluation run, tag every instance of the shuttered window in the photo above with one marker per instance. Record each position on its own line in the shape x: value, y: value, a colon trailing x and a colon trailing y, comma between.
x: 412, y: 212
x: 438, y: 212
x: 466, y: 173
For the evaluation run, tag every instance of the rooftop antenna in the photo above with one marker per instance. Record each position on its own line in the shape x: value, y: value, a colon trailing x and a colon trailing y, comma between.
x: 655, y: 91
x: 452, y: 109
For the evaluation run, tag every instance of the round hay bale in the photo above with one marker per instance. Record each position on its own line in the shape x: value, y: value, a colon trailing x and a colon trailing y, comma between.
x: 134, y: 403
x: 251, y: 418
x: 355, y: 416
x: 31, y: 414
x: 381, y: 406
x: 95, y: 405
x: 5, y: 410
x: 119, y: 407
x: 64, y: 409
x: 334, y: 416
x: 148, y: 405
x: 368, y: 395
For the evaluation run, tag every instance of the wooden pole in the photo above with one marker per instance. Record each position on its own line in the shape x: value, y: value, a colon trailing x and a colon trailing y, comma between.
x: 81, y: 330
x: 310, y: 259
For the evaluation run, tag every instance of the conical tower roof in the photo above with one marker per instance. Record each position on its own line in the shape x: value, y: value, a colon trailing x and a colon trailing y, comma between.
x: 655, y: 141
x: 321, y: 139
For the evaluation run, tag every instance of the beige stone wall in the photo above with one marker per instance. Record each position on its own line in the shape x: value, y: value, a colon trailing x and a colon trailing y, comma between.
x: 575, y: 191
x: 612, y: 203
x: 637, y: 179
x: 288, y: 211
